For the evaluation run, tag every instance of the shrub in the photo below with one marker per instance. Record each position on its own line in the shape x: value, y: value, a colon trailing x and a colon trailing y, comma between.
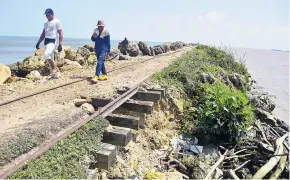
x: 223, y: 111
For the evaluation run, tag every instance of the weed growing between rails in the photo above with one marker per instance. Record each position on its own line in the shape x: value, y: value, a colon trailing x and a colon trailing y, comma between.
x: 70, y: 157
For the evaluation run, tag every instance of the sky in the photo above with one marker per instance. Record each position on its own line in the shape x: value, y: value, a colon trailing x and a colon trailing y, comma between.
x: 262, y: 24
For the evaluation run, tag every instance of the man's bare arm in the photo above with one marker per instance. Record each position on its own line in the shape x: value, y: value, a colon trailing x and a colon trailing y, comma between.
x: 60, y: 32
x: 42, y: 36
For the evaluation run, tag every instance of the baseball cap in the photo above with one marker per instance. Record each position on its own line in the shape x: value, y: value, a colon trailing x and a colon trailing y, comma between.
x: 48, y: 11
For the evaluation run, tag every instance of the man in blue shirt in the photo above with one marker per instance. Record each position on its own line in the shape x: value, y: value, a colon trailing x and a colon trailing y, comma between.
x: 101, y: 37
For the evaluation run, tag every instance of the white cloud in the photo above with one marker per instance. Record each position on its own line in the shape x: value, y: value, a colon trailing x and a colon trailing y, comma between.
x: 213, y: 16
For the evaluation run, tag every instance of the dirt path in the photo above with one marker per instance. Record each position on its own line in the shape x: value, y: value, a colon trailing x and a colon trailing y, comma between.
x: 54, y: 107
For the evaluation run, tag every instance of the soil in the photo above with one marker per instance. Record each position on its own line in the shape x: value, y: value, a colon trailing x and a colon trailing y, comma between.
x: 51, y: 110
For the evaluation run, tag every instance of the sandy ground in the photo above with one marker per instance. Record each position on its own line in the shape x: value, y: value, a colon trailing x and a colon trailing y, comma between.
x: 55, y: 106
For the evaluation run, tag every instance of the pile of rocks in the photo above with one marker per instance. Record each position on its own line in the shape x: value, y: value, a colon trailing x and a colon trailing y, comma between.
x: 35, y: 66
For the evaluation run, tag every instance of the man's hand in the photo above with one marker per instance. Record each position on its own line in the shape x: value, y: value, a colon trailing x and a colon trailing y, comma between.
x: 59, y: 48
x: 37, y: 45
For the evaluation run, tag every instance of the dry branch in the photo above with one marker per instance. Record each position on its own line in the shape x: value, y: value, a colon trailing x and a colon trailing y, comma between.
x: 211, y: 171
x: 280, y: 168
x: 263, y: 171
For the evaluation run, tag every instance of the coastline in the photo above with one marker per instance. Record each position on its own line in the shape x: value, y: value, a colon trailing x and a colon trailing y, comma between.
x: 183, y: 82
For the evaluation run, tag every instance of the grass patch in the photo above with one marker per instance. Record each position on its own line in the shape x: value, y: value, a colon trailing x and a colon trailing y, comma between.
x: 70, y: 157
x: 218, y: 107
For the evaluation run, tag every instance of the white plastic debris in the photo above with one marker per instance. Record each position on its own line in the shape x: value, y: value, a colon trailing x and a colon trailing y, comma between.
x: 196, y: 149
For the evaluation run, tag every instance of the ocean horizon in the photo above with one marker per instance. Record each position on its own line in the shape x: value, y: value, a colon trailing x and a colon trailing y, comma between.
x: 16, y: 48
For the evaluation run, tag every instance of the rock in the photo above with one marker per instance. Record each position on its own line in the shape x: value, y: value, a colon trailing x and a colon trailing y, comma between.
x: 90, y: 47
x: 266, y: 117
x: 114, y: 54
x: 5, y: 73
x: 60, y: 55
x: 33, y: 74
x: 224, y: 78
x: 176, y: 45
x: 262, y: 101
x: 158, y: 49
x: 83, y: 52
x: 144, y: 48
x: 88, y: 108
x: 207, y: 78
x: 238, y: 80
x: 13, y: 68
x: 123, y: 57
x: 92, y: 59
x: 69, y: 53
x: 166, y: 47
x: 152, y: 51
x: 80, y: 59
x: 79, y: 102
x: 60, y: 62
x: 173, y: 175
x: 70, y: 65
x: 29, y: 64
x: 129, y: 48
x: 39, y: 52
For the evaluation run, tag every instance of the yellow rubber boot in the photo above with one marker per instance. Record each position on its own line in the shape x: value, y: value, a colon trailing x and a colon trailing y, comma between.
x: 95, y: 79
x: 105, y: 77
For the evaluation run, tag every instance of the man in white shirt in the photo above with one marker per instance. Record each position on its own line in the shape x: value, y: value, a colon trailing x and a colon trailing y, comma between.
x: 52, y: 35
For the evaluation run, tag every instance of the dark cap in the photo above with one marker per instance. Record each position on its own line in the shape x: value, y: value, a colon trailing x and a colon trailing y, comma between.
x: 48, y: 11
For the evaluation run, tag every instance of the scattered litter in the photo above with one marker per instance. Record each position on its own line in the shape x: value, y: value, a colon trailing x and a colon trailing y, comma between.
x: 196, y: 149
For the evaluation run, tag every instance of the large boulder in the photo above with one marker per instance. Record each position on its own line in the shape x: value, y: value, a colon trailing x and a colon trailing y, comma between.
x: 69, y: 53
x: 176, y: 45
x: 33, y: 75
x: 262, y: 101
x: 70, y: 65
x: 166, y: 47
x: 92, y: 58
x: 144, y: 48
x: 39, y: 52
x: 90, y: 47
x: 152, y: 51
x: 238, y: 80
x: 129, y: 48
x: 158, y: 49
x: 207, y: 78
x: 80, y: 59
x: 29, y: 64
x: 114, y: 54
x: 5, y: 73
x: 83, y: 52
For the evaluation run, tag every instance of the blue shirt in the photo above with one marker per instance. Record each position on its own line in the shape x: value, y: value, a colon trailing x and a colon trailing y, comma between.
x: 102, y: 45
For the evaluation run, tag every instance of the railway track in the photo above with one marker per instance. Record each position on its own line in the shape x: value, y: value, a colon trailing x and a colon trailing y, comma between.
x: 80, y: 80
x: 119, y: 133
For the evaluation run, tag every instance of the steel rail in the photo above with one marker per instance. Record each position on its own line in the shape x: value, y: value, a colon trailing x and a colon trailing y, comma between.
x: 50, y: 89
x: 40, y: 150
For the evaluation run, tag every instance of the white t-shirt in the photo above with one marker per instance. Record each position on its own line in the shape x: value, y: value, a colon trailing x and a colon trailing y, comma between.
x: 51, y: 28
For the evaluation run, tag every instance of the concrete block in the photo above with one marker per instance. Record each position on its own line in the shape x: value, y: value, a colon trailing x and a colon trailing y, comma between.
x: 117, y: 136
x: 124, y: 121
x: 139, y: 106
x: 106, y: 156
x: 144, y: 96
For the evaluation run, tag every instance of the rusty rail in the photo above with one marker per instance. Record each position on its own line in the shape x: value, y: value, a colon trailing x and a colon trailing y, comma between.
x: 40, y: 150
x: 50, y: 89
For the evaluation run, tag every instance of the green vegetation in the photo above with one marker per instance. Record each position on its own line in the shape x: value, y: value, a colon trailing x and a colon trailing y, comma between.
x: 70, y: 157
x: 215, y: 85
